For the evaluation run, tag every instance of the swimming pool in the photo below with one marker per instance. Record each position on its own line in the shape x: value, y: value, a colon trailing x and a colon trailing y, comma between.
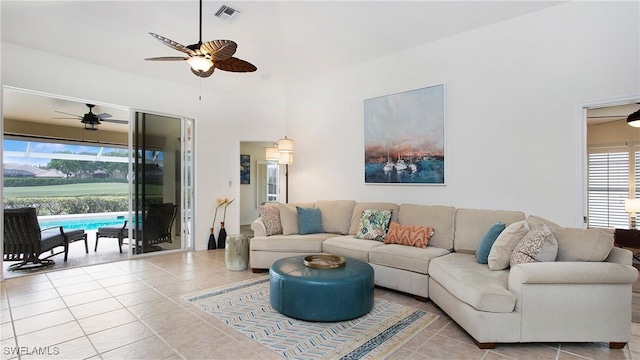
x: 87, y: 223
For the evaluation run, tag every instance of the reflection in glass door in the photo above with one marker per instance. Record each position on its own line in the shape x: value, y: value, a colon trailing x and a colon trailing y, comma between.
x: 162, y: 189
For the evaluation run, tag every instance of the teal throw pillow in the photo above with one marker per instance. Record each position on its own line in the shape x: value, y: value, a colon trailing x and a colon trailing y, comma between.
x: 485, y: 244
x: 309, y: 221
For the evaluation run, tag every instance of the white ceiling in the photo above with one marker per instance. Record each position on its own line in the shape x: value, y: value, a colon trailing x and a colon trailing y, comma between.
x: 286, y: 40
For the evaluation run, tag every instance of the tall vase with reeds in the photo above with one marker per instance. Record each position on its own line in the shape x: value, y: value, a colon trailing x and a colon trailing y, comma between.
x: 222, y: 234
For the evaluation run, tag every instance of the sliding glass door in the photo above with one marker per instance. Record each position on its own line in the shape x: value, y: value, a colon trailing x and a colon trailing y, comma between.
x: 162, y: 189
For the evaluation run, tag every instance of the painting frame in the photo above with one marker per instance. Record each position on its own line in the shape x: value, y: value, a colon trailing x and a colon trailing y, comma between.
x: 245, y: 169
x: 405, y: 138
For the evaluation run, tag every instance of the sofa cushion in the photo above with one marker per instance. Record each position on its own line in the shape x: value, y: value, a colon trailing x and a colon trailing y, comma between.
x: 440, y: 218
x: 336, y: 215
x: 270, y: 215
x: 405, y: 257
x: 534, y: 221
x: 538, y: 245
x: 471, y: 224
x: 583, y: 244
x: 374, y: 224
x: 348, y: 246
x: 289, y: 217
x: 408, y: 235
x: 357, y: 213
x: 500, y: 254
x: 473, y: 283
x: 311, y: 243
x: 309, y: 220
x: 485, y: 244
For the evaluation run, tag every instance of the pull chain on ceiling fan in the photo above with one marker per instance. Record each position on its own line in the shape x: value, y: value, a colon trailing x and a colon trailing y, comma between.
x: 205, y: 57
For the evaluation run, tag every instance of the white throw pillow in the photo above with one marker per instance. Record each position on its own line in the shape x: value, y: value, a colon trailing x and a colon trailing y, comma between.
x: 500, y: 254
x: 289, y: 219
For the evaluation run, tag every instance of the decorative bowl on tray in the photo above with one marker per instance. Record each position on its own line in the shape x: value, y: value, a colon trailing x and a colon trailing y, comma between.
x: 324, y: 261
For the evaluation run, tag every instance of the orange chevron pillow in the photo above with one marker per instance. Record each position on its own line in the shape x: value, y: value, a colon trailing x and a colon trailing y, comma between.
x: 417, y: 236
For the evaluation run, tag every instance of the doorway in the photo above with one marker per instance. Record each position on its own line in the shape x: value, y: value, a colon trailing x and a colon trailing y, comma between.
x: 260, y: 183
x: 53, y: 132
x: 612, y: 164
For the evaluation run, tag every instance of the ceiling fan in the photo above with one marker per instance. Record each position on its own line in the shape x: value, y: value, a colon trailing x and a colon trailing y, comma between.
x: 205, y: 57
x: 91, y: 120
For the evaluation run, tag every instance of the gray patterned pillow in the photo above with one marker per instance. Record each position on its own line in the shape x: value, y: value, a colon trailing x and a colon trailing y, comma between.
x: 538, y: 245
x: 271, y: 218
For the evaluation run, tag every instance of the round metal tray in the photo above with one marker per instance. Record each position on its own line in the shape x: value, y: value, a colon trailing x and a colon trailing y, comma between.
x: 324, y: 261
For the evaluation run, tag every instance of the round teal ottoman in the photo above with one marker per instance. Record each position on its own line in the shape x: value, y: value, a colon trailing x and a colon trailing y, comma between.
x: 305, y: 293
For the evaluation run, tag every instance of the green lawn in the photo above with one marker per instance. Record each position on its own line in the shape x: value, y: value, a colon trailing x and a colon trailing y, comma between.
x: 94, y: 189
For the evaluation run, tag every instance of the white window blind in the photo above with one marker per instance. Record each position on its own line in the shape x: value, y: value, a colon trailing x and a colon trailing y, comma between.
x: 608, y: 188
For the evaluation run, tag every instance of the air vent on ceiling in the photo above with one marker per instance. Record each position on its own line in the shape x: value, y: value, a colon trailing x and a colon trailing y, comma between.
x: 227, y: 13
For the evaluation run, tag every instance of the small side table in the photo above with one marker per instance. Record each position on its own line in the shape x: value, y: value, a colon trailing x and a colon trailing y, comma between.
x: 628, y: 238
x: 236, y: 252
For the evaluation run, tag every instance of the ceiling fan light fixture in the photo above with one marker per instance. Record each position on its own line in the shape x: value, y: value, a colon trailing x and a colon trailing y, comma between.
x: 90, y: 127
x: 200, y: 63
x: 634, y: 119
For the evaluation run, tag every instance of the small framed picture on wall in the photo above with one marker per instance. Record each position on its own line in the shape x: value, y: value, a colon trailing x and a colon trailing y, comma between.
x: 245, y: 169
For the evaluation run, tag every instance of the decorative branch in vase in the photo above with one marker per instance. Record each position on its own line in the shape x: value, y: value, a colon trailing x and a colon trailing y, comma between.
x: 212, y: 237
x: 222, y: 235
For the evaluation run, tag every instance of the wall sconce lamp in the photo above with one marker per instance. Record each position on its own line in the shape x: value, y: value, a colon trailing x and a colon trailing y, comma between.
x: 634, y: 119
x: 632, y: 206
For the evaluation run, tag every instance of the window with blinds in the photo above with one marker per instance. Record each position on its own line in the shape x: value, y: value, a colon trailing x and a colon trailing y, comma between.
x: 609, y: 184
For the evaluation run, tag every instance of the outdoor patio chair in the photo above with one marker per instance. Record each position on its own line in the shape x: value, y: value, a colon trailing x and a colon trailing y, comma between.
x: 158, y: 221
x: 24, y: 241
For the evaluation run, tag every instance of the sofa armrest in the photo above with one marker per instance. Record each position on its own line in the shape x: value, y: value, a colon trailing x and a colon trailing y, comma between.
x: 573, y: 301
x: 620, y: 256
x: 258, y: 227
x: 572, y: 273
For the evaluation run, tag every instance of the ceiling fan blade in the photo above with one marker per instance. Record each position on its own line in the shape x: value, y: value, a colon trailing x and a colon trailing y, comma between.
x: 219, y: 49
x: 103, y: 116
x: 203, y: 74
x: 167, y: 58
x: 173, y: 44
x: 62, y: 112
x: 74, y: 118
x: 606, y: 117
x: 115, y: 121
x: 235, y: 65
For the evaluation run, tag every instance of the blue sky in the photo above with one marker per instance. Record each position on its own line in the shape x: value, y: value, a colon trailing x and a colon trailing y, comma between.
x: 43, y: 147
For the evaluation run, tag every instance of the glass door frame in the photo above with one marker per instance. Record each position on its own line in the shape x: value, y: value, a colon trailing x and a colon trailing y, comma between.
x: 187, y: 178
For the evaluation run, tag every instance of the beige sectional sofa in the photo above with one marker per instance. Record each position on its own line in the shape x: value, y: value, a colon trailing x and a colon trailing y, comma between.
x: 583, y: 296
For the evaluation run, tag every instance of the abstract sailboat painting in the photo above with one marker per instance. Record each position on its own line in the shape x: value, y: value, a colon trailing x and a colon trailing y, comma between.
x: 404, y: 138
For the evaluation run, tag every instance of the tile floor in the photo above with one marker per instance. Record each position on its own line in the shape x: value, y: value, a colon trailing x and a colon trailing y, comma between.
x: 133, y: 309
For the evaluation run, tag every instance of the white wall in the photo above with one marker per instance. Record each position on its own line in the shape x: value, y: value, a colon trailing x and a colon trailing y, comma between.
x: 221, y: 119
x: 512, y: 90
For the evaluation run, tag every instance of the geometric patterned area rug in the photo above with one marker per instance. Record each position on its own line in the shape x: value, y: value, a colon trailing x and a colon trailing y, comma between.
x: 246, y: 308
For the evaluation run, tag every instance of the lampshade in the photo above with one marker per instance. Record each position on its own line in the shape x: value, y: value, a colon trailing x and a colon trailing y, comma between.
x: 286, y: 158
x: 634, y: 119
x: 632, y: 205
x: 272, y: 154
x: 200, y: 63
x: 285, y: 145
